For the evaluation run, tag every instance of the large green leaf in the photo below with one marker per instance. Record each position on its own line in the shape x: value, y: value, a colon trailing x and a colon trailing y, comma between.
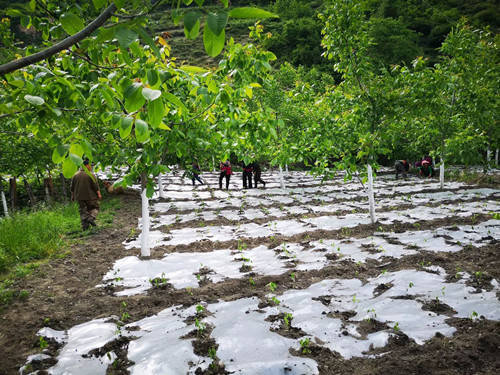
x: 156, y: 111
x: 213, y: 43
x: 141, y: 131
x: 59, y: 153
x: 133, y: 97
x: 125, y: 36
x: 249, y: 12
x: 69, y: 168
x: 217, y: 22
x: 98, y: 4
x: 126, y: 126
x: 76, y: 159
x: 71, y: 23
x: 76, y: 149
x: 150, y: 94
x: 35, y: 100
x: 192, y: 24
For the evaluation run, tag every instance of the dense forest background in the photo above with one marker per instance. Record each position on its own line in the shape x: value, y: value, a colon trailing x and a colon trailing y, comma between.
x: 401, y: 29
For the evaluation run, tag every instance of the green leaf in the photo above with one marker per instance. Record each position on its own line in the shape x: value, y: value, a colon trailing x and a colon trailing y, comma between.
x: 176, y: 101
x: 141, y: 131
x: 150, y: 94
x: 77, y: 160
x: 156, y: 111
x: 250, y: 12
x: 225, y: 2
x: 193, y: 69
x: 192, y: 24
x: 76, y: 149
x: 213, y: 44
x: 133, y: 97
x: 87, y: 148
x: 17, y: 83
x: 187, y: 2
x: 14, y: 13
x: 71, y: 23
x: 126, y: 126
x: 217, y: 22
x: 59, y: 153
x: 98, y: 4
x: 35, y: 100
x: 153, y: 77
x: 120, y: 3
x: 69, y: 168
x: 125, y: 36
x: 145, y: 36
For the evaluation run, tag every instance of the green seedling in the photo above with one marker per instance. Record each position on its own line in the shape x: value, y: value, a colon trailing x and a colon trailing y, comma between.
x: 304, y: 345
x: 272, y: 286
x: 396, y: 327
x: 251, y: 281
x: 199, y: 309
x: 292, y: 276
x: 42, y: 343
x: 287, y: 319
x: 275, y: 301
x: 199, y: 326
x: 410, y: 285
x: 474, y: 315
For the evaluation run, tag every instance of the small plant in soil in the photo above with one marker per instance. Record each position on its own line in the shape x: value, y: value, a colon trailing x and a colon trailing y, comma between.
x: 287, y: 318
x: 212, y: 353
x: 474, y: 315
x: 42, y: 343
x: 200, y: 326
x: 275, y: 301
x: 292, y: 276
x: 199, y: 309
x: 410, y: 285
x: 304, y: 345
x: 251, y: 281
x: 272, y: 286
x: 125, y: 316
x: 396, y: 327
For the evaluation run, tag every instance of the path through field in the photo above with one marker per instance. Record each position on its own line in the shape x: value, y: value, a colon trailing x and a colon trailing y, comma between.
x: 297, y: 281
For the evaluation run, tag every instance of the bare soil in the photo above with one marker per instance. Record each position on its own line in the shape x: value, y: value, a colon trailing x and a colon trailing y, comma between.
x: 62, y: 294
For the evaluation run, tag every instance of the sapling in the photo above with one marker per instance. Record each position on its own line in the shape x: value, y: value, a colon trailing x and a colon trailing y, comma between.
x: 272, y: 286
x: 396, y: 327
x: 199, y: 309
x: 287, y: 318
x: 292, y: 276
x: 251, y: 281
x: 199, y: 326
x: 42, y: 343
x: 304, y: 344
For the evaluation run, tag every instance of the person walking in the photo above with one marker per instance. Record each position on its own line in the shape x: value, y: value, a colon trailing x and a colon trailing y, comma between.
x: 226, y: 172
x: 85, y: 191
x: 247, y: 176
x: 195, y: 173
x: 256, y: 175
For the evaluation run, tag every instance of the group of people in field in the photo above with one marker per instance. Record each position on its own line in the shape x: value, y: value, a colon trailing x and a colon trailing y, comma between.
x: 424, y: 167
x: 252, y: 174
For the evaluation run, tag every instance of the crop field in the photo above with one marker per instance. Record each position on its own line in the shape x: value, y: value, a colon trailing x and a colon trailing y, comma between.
x: 297, y: 281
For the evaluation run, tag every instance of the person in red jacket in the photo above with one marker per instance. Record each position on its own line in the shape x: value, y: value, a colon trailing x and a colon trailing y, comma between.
x: 225, y: 171
x: 247, y: 176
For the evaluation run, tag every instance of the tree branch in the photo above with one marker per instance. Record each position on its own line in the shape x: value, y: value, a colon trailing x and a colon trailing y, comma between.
x: 64, y: 44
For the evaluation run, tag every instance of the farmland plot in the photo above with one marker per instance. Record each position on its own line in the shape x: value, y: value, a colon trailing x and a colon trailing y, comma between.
x: 295, y: 281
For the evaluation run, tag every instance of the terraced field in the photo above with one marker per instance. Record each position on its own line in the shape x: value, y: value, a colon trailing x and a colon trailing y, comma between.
x: 297, y: 281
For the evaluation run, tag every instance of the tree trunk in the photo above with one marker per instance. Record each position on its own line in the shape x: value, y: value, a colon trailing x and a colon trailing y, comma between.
x: 160, y: 186
x: 47, y: 192
x: 496, y: 157
x: 488, y: 156
x: 145, y: 251
x: 13, y: 193
x: 63, y: 187
x: 286, y: 169
x: 213, y: 164
x: 441, y: 174
x: 282, y: 180
x: 371, y: 197
x: 31, y: 196
x: 4, y: 201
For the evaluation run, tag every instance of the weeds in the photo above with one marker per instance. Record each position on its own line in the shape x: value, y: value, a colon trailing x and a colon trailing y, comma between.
x: 304, y: 345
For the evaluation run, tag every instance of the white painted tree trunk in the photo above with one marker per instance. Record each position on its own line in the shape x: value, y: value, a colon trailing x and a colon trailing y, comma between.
x: 213, y: 164
x: 496, y: 157
x: 160, y: 186
x: 145, y: 252
x: 282, y: 180
x: 371, y: 198
x: 47, y: 194
x: 441, y: 174
x: 488, y: 155
x: 286, y: 169
x: 4, y: 203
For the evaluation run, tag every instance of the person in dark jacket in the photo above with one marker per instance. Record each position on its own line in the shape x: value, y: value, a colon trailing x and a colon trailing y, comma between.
x: 247, y: 176
x: 85, y: 191
x: 256, y: 175
x: 402, y: 167
x: 426, y: 169
x: 195, y: 173
x: 225, y: 171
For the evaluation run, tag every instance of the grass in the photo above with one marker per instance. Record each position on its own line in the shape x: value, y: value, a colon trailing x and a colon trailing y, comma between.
x: 28, y: 238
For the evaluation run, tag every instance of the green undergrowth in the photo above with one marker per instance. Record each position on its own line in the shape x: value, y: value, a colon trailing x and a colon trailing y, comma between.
x: 29, y: 238
x: 473, y: 177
